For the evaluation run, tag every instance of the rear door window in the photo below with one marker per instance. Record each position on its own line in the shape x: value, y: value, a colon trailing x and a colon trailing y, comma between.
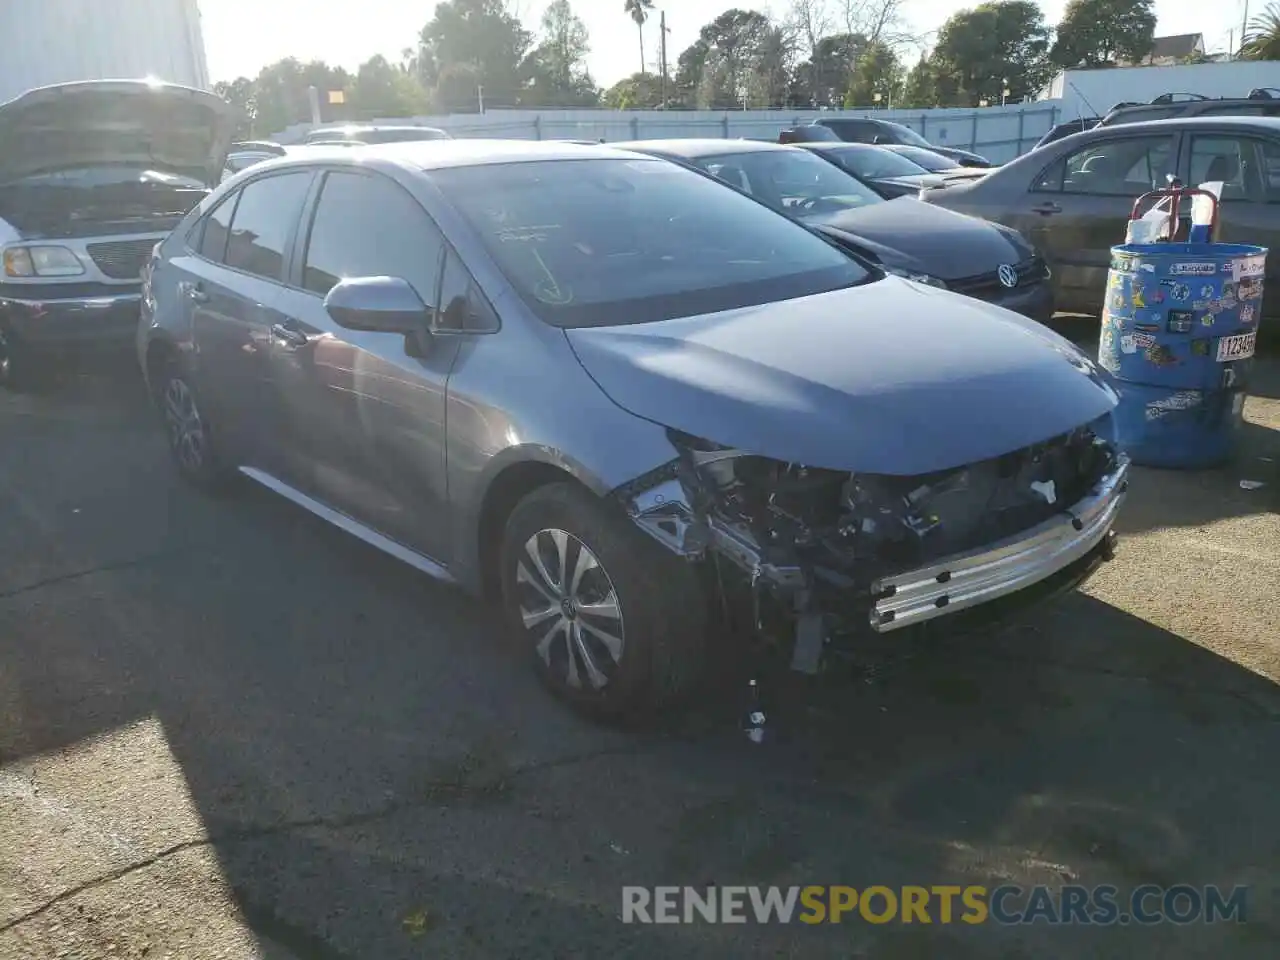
x: 264, y: 221
x: 1127, y: 167
x: 1248, y: 168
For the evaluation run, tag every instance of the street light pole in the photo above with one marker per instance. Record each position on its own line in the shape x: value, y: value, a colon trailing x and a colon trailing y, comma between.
x: 662, y: 55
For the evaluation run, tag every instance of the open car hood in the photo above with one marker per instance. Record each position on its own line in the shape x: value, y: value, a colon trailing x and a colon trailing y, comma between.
x: 890, y: 377
x: 105, y: 122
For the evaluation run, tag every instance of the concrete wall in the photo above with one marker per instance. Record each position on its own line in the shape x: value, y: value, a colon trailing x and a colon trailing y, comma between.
x: 998, y: 133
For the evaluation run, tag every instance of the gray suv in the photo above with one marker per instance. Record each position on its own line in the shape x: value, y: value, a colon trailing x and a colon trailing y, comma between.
x: 92, y: 176
x: 624, y: 401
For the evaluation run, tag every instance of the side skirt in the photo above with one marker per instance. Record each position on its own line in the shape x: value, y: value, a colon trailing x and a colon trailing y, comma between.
x: 343, y: 522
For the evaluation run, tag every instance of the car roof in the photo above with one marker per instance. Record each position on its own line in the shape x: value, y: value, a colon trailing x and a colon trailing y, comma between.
x: 709, y: 147
x: 832, y: 146
x: 1269, y: 123
x: 365, y: 128
x: 441, y: 154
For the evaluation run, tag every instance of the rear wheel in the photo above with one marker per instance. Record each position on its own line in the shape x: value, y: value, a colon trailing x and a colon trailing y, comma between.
x: 191, y: 443
x: 614, y: 625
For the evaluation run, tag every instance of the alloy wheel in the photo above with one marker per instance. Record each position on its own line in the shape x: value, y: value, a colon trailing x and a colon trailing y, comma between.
x: 570, y: 609
x: 186, y: 430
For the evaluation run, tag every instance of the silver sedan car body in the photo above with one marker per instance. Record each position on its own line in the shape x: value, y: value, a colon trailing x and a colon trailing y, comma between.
x: 578, y: 379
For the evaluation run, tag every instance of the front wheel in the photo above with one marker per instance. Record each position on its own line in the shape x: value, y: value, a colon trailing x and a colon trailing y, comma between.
x: 614, y: 624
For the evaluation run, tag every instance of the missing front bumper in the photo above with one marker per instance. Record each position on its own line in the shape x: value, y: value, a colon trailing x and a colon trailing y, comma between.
x: 980, y: 576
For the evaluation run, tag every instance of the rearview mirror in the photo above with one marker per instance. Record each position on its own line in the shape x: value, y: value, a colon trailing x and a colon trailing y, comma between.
x: 878, y: 138
x: 378, y: 304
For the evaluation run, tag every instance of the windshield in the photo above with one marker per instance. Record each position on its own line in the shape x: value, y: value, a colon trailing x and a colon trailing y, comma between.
x: 792, y: 181
x: 603, y: 242
x: 872, y: 163
x: 907, y: 135
x: 87, y: 178
x: 933, y: 162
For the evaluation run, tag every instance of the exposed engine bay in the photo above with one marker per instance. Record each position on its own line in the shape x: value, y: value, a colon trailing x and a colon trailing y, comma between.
x: 50, y: 208
x: 808, y: 549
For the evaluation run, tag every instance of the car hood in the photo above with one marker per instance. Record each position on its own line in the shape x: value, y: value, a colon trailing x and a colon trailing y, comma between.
x: 962, y: 156
x: 935, y: 240
x: 107, y: 122
x: 913, y: 182
x: 890, y: 377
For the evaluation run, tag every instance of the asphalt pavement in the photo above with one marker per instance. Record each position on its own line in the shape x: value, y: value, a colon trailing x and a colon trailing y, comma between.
x: 227, y: 730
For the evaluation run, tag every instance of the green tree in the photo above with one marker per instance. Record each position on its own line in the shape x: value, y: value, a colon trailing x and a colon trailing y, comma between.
x: 878, y: 71
x: 1102, y: 33
x: 920, y: 88
x: 458, y: 89
x: 557, y: 68
x: 240, y: 93
x: 638, y: 11
x: 822, y: 80
x: 565, y: 43
x: 382, y: 90
x: 689, y: 69
x: 482, y: 35
x: 1262, y: 41
x: 735, y: 44
x: 640, y: 91
x: 979, y: 49
x: 280, y: 92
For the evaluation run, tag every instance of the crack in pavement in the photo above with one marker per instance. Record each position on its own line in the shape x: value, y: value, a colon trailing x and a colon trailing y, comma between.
x: 88, y: 572
x: 382, y: 812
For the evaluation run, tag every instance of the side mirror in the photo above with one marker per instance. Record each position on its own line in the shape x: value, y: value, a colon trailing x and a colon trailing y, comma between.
x: 378, y: 304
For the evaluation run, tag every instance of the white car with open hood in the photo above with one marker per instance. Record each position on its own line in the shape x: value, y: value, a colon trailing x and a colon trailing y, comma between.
x: 92, y: 176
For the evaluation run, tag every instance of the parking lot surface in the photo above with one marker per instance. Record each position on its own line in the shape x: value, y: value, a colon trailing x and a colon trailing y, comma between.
x: 227, y: 730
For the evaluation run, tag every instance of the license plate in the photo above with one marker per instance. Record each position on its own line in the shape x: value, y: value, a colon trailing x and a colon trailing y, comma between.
x: 1238, y: 347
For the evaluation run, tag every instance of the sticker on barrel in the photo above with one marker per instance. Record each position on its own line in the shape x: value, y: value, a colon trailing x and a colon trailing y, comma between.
x: 1247, y: 267
x: 1239, y: 347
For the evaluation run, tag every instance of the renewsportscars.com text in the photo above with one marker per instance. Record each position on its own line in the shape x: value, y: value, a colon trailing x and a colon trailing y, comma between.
x: 1006, y: 905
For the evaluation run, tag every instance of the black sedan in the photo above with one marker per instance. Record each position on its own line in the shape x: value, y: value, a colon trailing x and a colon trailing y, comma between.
x: 886, y: 132
x: 906, y: 237
x: 935, y: 162
x: 891, y: 174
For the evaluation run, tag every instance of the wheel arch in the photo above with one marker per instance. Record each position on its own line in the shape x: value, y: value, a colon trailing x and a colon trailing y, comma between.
x: 511, y: 484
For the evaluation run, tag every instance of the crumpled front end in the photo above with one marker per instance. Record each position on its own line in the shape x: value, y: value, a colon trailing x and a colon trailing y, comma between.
x: 812, y: 555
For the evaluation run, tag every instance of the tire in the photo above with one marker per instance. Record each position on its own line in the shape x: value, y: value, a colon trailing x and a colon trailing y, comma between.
x: 191, y: 442
x: 645, y: 599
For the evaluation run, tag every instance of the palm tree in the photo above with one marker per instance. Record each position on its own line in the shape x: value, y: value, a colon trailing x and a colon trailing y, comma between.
x: 1263, y: 39
x: 638, y: 10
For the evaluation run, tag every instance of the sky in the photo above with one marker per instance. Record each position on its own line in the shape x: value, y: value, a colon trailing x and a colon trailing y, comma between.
x: 242, y: 36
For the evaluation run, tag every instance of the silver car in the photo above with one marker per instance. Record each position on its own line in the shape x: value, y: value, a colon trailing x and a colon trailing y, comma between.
x: 624, y: 401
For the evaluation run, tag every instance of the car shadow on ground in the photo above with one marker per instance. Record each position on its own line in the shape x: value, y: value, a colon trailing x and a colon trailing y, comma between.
x: 380, y: 776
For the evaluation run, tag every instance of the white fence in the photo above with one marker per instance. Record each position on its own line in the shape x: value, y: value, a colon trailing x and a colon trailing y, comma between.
x: 998, y: 133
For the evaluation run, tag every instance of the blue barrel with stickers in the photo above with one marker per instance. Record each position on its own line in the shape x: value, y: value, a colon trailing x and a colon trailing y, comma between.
x: 1179, y: 329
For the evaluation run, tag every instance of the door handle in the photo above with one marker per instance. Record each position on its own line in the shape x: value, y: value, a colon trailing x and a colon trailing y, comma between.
x: 196, y: 294
x: 1047, y: 208
x: 289, y: 333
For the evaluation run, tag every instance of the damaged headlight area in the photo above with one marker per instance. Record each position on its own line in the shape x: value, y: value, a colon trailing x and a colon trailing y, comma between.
x: 802, y: 553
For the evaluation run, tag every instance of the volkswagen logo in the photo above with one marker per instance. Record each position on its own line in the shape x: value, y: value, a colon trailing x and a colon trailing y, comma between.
x: 1008, y: 276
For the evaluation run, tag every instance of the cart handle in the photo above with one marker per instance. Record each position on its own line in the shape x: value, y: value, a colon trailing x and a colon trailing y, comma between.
x: 1176, y: 193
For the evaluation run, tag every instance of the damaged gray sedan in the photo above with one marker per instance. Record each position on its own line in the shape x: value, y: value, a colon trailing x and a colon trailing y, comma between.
x: 627, y: 403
